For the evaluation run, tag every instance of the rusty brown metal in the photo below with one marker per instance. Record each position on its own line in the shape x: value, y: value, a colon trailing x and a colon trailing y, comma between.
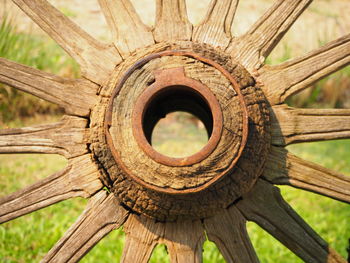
x: 139, y: 64
x: 174, y: 79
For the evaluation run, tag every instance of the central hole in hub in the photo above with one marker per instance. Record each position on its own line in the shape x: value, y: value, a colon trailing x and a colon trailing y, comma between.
x: 177, y: 121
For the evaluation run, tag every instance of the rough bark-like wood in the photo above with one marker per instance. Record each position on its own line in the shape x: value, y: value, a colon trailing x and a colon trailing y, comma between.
x: 171, y: 21
x: 142, y: 235
x: 184, y: 241
x: 228, y: 230
x: 77, y: 97
x: 265, y: 206
x: 67, y: 137
x: 288, y: 78
x: 253, y: 47
x: 102, y: 215
x: 202, y: 204
x: 128, y: 30
x: 80, y: 178
x: 97, y: 60
x: 284, y: 168
x: 291, y: 125
x: 216, y: 26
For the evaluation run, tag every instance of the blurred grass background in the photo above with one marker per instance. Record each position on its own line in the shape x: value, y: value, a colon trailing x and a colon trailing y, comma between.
x: 28, y: 238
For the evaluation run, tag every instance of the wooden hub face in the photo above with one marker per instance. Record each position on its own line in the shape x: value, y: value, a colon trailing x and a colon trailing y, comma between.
x: 204, y: 82
x: 173, y: 91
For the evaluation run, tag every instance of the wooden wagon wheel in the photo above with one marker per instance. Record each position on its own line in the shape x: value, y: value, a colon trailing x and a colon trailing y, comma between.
x: 148, y: 72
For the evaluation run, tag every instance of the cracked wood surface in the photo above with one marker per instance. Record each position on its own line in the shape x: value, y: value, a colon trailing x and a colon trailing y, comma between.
x: 79, y: 178
x: 76, y: 96
x: 252, y: 48
x: 292, y: 76
x: 228, y: 230
x: 265, y: 206
x: 171, y: 21
x: 129, y: 32
x: 184, y: 239
x: 216, y: 26
x: 293, y: 125
x: 285, y: 168
x: 97, y: 60
x: 69, y: 138
x: 102, y: 215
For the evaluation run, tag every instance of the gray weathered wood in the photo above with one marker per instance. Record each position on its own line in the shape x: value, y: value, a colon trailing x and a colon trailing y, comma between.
x: 67, y: 137
x: 228, y: 230
x: 215, y: 29
x: 184, y: 240
x: 97, y: 60
x: 285, y: 168
x: 288, y: 78
x: 142, y: 235
x: 171, y: 21
x: 80, y: 178
x: 265, y: 206
x: 252, y: 48
x: 128, y: 30
x: 291, y: 125
x: 102, y: 215
x: 77, y: 97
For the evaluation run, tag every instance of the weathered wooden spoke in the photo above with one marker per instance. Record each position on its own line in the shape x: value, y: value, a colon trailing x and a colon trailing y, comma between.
x: 284, y: 168
x: 142, y: 235
x: 171, y: 21
x: 67, y: 137
x: 97, y: 60
x: 265, y: 206
x: 77, y: 97
x: 184, y: 240
x: 216, y: 26
x: 80, y: 178
x: 291, y: 125
x: 127, y: 88
x: 101, y: 216
x: 129, y: 32
x: 228, y: 231
x: 294, y: 75
x: 254, y: 46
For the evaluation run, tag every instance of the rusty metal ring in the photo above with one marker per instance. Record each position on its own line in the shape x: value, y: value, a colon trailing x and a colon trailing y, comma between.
x: 171, y: 79
x: 141, y: 63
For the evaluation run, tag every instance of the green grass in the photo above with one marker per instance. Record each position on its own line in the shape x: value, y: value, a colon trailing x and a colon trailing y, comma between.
x: 28, y: 238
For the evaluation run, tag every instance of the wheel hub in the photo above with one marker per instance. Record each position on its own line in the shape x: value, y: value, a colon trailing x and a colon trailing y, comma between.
x: 201, y: 81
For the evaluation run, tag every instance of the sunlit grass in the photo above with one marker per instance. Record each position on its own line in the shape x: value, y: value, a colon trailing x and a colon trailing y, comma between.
x: 28, y: 238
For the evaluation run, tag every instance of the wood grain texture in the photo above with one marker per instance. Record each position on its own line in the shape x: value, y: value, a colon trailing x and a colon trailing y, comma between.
x: 184, y: 240
x: 252, y: 48
x: 288, y: 78
x: 216, y: 26
x: 97, y: 60
x: 292, y: 125
x: 167, y: 207
x: 102, y: 215
x: 142, y: 235
x: 67, y: 137
x: 171, y: 21
x: 77, y: 97
x: 80, y: 178
x: 228, y: 230
x: 265, y: 206
x: 285, y: 168
x: 128, y: 30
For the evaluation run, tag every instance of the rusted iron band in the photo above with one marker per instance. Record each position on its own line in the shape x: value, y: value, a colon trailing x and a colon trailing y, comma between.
x: 141, y: 63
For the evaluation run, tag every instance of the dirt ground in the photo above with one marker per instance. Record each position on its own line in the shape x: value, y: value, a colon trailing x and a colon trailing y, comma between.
x: 322, y: 22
